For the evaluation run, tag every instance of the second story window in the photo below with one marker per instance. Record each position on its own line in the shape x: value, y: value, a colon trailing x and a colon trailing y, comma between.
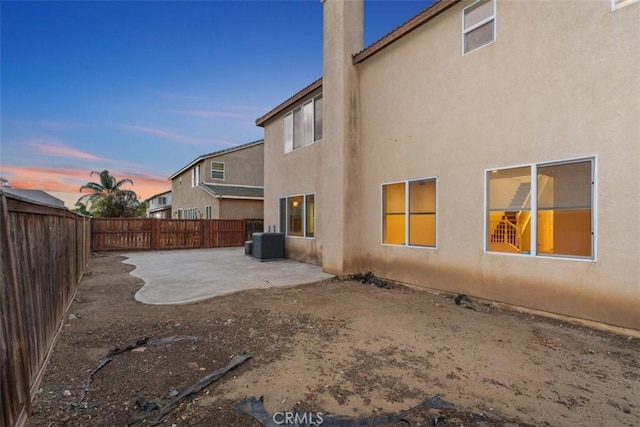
x: 303, y: 125
x: 195, y: 176
x: 478, y: 25
x: 217, y: 170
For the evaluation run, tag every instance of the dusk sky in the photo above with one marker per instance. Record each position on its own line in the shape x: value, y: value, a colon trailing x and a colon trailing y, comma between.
x: 142, y: 88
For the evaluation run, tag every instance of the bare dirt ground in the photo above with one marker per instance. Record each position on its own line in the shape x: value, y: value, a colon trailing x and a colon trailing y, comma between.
x: 339, y: 347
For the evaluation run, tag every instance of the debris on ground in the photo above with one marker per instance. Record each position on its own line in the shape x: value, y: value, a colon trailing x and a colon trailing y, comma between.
x: 371, y: 279
x: 131, y: 347
x: 431, y: 412
x: 204, y: 382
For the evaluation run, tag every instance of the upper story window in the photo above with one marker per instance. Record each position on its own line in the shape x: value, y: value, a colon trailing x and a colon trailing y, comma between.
x: 217, y: 170
x: 478, y: 25
x: 303, y: 125
x: 162, y: 200
x: 195, y: 175
x: 617, y: 4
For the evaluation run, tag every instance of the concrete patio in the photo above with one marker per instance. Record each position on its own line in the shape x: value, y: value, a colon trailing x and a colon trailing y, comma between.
x: 186, y: 276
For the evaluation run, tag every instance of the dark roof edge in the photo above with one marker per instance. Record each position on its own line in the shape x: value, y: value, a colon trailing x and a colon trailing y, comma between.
x: 156, y: 195
x: 217, y: 153
x: 289, y: 102
x: 423, y: 17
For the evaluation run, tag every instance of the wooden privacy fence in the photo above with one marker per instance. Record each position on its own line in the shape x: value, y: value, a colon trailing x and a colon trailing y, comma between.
x: 44, y: 251
x: 116, y: 234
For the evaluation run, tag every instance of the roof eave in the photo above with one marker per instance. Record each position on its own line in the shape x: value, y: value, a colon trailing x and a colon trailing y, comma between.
x: 289, y: 102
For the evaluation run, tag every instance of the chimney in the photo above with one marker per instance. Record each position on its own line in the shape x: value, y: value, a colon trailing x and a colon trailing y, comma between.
x: 343, y: 29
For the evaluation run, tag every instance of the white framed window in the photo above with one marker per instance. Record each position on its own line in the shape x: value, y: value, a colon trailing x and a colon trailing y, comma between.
x: 478, y: 25
x: 297, y: 215
x: 217, y: 170
x: 542, y: 209
x: 409, y: 213
x: 195, y: 176
x: 303, y: 125
x: 162, y: 200
x: 617, y: 4
x: 208, y: 212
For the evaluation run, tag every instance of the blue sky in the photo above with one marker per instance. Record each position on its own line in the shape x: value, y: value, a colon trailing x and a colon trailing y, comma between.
x: 142, y: 88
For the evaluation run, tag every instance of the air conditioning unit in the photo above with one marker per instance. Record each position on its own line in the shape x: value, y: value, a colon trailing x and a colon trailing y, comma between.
x: 267, y: 246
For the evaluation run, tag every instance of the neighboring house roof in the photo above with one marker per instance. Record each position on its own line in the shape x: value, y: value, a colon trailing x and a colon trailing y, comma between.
x: 421, y: 18
x: 157, y: 195
x: 38, y: 196
x: 286, y: 104
x: 217, y: 153
x: 159, y: 209
x: 233, y: 191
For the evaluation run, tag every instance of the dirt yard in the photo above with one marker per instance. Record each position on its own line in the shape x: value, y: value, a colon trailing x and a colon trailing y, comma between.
x: 340, y: 347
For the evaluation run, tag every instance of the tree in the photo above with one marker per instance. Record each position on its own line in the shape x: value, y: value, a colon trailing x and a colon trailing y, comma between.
x: 107, y: 185
x: 81, y: 208
x: 118, y: 204
x: 108, y: 199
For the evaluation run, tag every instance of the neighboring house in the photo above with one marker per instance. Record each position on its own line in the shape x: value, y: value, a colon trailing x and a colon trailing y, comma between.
x: 159, y: 206
x: 227, y: 184
x: 488, y: 148
x: 38, y: 196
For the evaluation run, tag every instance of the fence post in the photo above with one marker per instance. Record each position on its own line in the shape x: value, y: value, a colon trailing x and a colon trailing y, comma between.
x: 155, y: 234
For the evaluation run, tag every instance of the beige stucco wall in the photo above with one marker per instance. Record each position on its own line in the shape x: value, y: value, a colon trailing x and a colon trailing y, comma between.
x: 298, y: 172
x: 242, y: 167
x: 241, y: 209
x: 561, y: 81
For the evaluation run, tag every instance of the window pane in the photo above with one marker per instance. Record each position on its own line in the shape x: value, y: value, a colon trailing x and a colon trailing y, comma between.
x: 307, y: 111
x: 477, y: 13
x: 318, y: 119
x: 283, y: 214
x: 478, y: 37
x: 298, y: 129
x: 217, y: 170
x: 422, y: 213
x: 509, y: 216
x: 393, y: 196
x: 288, y: 133
x: 564, y: 209
x: 295, y: 207
x: 310, y: 215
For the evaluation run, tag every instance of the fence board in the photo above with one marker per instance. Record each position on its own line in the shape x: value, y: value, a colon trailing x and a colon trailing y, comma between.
x: 117, y: 234
x: 43, y: 253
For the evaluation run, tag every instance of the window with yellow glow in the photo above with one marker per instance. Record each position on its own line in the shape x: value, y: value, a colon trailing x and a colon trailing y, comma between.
x: 409, y: 213
x: 542, y: 209
x: 297, y: 215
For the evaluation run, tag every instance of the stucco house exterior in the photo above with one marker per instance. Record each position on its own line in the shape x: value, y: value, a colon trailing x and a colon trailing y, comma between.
x: 489, y: 148
x: 226, y: 184
x: 159, y: 205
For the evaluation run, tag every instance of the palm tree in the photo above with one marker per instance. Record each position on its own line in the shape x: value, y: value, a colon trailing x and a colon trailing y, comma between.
x: 108, y: 185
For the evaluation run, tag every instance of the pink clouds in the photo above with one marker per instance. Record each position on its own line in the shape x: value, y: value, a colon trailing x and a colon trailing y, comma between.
x: 51, y: 148
x: 69, y: 179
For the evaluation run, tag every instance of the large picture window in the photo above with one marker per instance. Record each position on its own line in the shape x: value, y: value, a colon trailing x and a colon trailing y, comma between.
x: 542, y: 209
x: 297, y: 215
x: 478, y: 25
x: 409, y: 213
x: 303, y: 125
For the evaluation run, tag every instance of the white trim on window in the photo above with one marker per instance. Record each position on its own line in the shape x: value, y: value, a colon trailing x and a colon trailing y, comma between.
x: 619, y: 4
x: 407, y: 213
x: 307, y: 133
x: 222, y: 171
x: 304, y: 215
x: 477, y: 25
x: 534, y: 209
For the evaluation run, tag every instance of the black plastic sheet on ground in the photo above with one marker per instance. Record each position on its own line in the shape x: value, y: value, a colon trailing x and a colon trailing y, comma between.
x: 255, y: 407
